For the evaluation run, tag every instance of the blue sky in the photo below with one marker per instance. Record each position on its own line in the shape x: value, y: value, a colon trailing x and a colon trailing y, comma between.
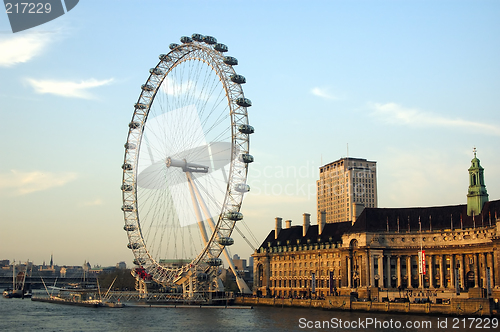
x: 412, y: 85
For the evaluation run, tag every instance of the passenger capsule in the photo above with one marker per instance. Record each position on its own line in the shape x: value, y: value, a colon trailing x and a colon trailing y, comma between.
x: 147, y: 87
x: 127, y: 208
x: 202, y: 276
x: 129, y: 228
x: 246, y: 158
x: 244, y: 102
x: 130, y: 146
x: 229, y: 60
x: 173, y: 46
x: 214, y: 261
x: 246, y: 129
x: 164, y: 57
x: 240, y: 79
x: 140, y: 106
x: 156, y: 71
x: 197, y: 37
x: 134, y: 125
x: 186, y: 40
x: 242, y: 188
x: 220, y: 47
x: 133, y: 245
x: 210, y: 40
x: 225, y: 241
x: 234, y: 215
x: 127, y: 187
x: 127, y: 167
x: 139, y: 261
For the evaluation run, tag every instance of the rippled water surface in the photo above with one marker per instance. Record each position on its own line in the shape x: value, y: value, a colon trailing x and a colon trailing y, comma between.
x: 27, y: 315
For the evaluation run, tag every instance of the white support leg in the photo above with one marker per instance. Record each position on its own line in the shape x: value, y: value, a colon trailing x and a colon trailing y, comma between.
x: 239, y: 281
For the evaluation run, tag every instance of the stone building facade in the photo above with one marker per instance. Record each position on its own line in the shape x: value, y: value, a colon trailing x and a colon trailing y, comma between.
x: 379, y: 252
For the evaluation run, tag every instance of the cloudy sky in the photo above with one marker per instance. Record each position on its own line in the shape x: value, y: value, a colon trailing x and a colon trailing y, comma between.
x: 413, y: 85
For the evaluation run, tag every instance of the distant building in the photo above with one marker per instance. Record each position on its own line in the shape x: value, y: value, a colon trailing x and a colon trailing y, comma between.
x: 345, y: 187
x: 48, y: 270
x: 242, y: 269
x: 73, y: 271
x: 121, y: 265
x: 379, y: 252
x: 240, y: 264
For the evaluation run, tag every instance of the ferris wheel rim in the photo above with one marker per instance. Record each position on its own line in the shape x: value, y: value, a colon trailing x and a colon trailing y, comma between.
x: 237, y: 105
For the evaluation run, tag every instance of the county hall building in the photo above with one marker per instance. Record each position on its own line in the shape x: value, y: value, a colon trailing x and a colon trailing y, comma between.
x: 375, y: 251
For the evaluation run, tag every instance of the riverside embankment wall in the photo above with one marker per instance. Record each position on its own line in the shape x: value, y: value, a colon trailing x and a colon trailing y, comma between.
x: 458, y: 307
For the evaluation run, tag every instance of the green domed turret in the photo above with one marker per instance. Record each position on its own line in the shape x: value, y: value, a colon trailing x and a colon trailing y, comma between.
x: 477, y: 194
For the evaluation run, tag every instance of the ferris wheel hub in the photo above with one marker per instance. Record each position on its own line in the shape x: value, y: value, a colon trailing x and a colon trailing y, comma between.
x: 186, y: 167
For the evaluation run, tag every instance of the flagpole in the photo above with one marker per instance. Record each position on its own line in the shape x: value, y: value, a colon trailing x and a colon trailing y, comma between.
x: 422, y: 258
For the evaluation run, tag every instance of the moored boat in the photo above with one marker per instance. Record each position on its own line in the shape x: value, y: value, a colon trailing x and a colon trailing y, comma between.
x: 68, y: 301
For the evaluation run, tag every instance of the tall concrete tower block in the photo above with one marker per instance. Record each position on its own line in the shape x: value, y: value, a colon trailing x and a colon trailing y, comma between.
x: 345, y: 187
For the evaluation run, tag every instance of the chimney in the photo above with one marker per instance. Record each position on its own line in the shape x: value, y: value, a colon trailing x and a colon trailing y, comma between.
x: 357, y: 208
x: 288, y: 224
x: 307, y: 223
x: 277, y: 229
x: 322, y: 222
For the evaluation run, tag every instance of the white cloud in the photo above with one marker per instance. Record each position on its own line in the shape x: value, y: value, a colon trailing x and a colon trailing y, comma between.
x: 409, y: 181
x: 172, y: 88
x: 393, y: 113
x: 22, y: 48
x: 67, y: 88
x: 323, y: 93
x: 21, y: 183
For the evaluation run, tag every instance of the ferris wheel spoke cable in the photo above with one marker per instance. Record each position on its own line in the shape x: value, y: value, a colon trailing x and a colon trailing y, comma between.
x: 157, y: 198
x: 244, y: 237
x: 152, y: 230
x: 217, y: 103
x: 249, y: 231
x: 219, y: 99
x: 162, y: 231
x: 220, y: 119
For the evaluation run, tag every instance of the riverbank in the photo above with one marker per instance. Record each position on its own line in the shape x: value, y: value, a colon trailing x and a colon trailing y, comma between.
x: 456, y: 306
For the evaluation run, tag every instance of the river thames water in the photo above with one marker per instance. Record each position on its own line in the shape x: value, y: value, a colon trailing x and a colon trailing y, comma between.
x: 27, y: 315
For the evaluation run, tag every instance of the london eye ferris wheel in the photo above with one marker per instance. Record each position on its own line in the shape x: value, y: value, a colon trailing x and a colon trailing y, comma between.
x: 185, y: 165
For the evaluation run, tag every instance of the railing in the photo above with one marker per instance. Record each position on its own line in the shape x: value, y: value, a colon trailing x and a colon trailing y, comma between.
x: 161, y: 297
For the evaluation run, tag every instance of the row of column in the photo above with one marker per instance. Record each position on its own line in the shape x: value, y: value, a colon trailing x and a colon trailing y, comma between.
x: 476, y: 263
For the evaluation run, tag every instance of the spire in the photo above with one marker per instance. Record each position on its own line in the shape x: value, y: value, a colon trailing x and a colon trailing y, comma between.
x: 477, y: 194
